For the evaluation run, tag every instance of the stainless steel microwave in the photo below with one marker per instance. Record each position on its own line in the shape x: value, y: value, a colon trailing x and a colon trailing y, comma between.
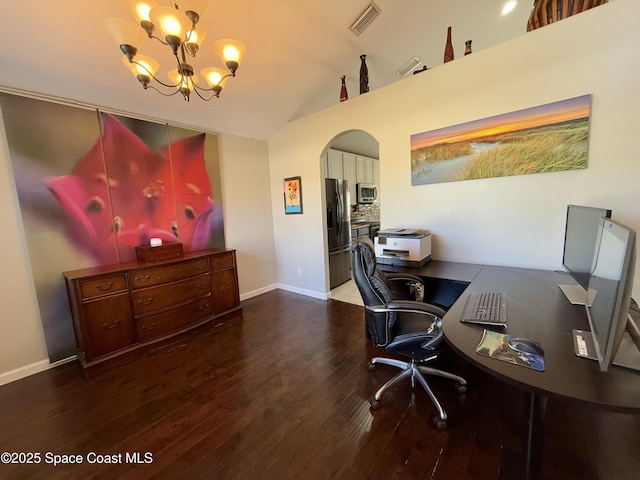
x: 366, y: 192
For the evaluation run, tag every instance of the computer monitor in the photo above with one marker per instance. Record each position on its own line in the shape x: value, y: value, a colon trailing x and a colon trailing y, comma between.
x: 610, y: 284
x: 581, y: 232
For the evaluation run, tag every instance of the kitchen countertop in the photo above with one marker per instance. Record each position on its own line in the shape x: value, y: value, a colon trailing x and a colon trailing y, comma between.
x: 363, y: 223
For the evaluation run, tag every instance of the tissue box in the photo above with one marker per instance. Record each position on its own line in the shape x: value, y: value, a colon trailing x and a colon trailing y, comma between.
x: 168, y: 251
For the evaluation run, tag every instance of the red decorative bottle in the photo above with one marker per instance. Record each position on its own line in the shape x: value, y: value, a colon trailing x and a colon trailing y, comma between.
x: 448, y: 48
x: 343, y: 90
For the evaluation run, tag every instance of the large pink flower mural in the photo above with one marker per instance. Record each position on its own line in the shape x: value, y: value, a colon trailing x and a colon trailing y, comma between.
x: 121, y: 193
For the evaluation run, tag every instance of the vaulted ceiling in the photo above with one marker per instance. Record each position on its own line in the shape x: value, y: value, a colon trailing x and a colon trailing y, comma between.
x: 297, y: 50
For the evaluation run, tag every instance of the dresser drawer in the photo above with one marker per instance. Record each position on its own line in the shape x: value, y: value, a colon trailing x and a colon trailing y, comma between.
x: 169, y: 321
x: 97, y: 287
x: 108, y: 326
x: 148, y: 300
x: 222, y: 260
x: 147, y: 277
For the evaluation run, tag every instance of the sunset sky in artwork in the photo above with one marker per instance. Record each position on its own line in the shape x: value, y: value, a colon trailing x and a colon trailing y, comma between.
x: 565, y: 110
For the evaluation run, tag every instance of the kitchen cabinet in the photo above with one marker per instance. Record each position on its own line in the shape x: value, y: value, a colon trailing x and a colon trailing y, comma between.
x: 334, y: 165
x: 119, y: 308
x: 366, y: 169
x: 360, y: 175
x: 353, y: 168
x: 349, y: 174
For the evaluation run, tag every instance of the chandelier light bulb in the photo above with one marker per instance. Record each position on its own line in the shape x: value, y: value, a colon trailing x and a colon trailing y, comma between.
x: 127, y: 35
x: 140, y: 10
x: 195, y: 37
x: 173, y: 24
x: 143, y: 68
x: 215, y: 77
x: 231, y: 52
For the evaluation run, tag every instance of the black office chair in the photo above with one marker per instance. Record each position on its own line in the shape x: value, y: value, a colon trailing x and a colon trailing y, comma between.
x: 409, y: 328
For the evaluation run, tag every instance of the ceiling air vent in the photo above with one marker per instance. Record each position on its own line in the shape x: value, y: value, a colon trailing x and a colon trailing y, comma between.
x: 362, y: 21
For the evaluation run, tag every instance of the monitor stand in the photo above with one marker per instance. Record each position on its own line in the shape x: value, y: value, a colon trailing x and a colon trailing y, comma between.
x: 576, y: 294
x: 628, y: 355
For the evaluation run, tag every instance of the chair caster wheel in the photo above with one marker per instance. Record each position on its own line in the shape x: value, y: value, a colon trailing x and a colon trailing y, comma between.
x: 462, y: 399
x: 440, y: 423
x: 460, y: 388
x: 375, y: 404
x: 371, y: 366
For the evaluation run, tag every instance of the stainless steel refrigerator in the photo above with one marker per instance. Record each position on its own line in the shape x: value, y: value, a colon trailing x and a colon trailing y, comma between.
x: 338, y: 231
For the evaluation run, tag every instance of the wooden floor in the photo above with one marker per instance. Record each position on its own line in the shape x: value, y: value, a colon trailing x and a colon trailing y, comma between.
x: 282, y: 392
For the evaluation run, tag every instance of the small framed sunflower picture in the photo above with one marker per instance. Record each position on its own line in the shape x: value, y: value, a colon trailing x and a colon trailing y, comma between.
x: 292, y: 192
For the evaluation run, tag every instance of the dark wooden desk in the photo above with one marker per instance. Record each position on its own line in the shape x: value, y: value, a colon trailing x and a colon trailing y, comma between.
x: 444, y: 281
x: 537, y: 309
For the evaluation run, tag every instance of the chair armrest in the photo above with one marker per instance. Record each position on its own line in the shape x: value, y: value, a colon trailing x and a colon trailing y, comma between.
x: 393, y: 276
x: 410, y: 306
x: 433, y: 342
x: 420, y: 308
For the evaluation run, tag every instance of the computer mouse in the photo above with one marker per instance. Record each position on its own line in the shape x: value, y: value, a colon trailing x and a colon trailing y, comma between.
x: 525, y: 345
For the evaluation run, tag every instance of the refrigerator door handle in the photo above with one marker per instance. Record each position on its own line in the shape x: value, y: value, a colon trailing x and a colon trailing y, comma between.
x: 340, y: 214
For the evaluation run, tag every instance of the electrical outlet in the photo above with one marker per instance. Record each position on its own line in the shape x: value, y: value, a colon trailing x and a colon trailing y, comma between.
x: 299, y: 272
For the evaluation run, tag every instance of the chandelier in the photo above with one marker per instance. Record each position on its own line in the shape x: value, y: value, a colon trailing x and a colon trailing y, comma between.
x: 175, y: 26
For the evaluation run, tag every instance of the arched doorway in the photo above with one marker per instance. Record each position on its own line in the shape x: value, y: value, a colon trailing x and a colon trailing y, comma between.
x: 349, y: 159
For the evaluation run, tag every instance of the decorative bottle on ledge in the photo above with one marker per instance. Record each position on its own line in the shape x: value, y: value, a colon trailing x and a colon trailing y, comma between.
x: 448, y: 48
x: 467, y: 47
x: 364, y: 75
x: 343, y: 90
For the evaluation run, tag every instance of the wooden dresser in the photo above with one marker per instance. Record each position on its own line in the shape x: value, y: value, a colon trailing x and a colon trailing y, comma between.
x: 118, y: 308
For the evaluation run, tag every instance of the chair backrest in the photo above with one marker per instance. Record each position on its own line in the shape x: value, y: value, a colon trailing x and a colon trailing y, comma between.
x: 375, y: 290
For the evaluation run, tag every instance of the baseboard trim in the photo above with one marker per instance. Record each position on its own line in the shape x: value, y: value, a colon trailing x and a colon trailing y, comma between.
x: 302, y: 291
x: 259, y: 291
x: 32, y: 369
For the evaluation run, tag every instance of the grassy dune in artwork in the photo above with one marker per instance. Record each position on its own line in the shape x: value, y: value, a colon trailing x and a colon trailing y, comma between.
x: 549, y: 148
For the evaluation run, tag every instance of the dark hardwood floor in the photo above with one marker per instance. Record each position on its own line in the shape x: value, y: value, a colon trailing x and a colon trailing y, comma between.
x: 281, y: 392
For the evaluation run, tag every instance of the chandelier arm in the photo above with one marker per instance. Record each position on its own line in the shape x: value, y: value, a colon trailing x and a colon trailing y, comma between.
x: 160, y: 91
x: 212, y: 89
x: 204, y: 89
x: 153, y: 76
x: 158, y: 39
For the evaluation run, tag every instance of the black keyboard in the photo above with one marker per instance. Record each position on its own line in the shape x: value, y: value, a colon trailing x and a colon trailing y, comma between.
x: 486, y: 308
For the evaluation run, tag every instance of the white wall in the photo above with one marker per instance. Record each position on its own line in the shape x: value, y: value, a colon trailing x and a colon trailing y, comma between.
x: 248, y: 223
x: 515, y: 221
x: 22, y: 347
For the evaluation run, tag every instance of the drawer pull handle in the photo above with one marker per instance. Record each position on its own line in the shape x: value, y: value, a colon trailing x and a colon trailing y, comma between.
x: 201, y: 266
x: 221, y: 261
x: 144, y: 279
x: 202, y: 286
x: 202, y: 308
x: 146, y: 328
x: 104, y: 288
x: 148, y: 301
x: 112, y: 326
x: 225, y: 289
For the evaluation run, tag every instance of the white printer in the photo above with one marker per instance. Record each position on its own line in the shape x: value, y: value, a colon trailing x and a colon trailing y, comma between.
x: 403, y: 246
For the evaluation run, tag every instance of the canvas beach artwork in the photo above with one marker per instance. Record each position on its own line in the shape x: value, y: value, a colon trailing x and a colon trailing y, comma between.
x: 547, y: 138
